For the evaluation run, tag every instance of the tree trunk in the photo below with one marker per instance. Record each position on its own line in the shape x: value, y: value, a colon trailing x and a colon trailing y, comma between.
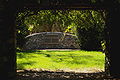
x: 7, y: 41
x: 112, y: 41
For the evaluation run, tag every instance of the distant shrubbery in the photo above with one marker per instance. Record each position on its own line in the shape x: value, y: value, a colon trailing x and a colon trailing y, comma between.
x: 88, y: 25
x: 90, y: 39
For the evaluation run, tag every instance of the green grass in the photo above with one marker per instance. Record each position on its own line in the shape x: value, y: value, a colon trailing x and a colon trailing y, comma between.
x: 54, y: 60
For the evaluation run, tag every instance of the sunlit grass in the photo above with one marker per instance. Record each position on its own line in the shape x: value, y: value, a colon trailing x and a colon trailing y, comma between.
x: 54, y: 60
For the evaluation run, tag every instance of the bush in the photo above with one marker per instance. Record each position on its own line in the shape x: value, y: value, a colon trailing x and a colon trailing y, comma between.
x: 90, y: 39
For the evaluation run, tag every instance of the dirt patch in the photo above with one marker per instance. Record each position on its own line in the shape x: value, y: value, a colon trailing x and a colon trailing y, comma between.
x: 61, y: 75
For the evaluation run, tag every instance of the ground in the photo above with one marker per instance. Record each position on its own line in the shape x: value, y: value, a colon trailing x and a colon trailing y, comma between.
x: 61, y: 75
x: 42, y: 74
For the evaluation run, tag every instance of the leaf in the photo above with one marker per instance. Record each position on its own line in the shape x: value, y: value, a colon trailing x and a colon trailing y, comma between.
x: 93, y: 1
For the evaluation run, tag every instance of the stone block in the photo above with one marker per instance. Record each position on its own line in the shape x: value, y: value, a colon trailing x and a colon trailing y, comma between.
x: 51, y: 40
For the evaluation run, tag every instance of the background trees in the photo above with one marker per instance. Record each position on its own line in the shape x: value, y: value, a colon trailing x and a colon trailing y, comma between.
x: 88, y: 25
x: 91, y: 31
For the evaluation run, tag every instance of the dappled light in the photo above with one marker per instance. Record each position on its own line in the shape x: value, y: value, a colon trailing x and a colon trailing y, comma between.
x: 86, y: 28
x: 38, y: 31
x: 94, y: 22
x: 75, y: 60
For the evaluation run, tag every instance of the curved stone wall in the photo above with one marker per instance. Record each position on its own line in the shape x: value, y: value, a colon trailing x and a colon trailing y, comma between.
x: 51, y: 40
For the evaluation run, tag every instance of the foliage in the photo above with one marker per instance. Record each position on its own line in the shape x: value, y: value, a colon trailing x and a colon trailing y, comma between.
x: 49, y: 21
x: 88, y: 25
x: 60, y: 60
x: 91, y: 29
x: 21, y: 29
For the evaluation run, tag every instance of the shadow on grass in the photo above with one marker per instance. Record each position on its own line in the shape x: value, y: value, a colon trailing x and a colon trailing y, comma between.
x: 71, y: 59
x: 31, y: 51
x: 23, y: 54
x: 26, y: 55
x: 22, y: 65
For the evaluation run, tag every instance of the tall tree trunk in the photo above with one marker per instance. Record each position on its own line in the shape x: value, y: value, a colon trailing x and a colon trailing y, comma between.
x: 113, y: 41
x: 7, y: 40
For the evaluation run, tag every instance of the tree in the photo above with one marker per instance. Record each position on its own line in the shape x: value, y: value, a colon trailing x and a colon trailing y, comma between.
x: 48, y: 21
x: 91, y: 29
x: 21, y: 28
x: 88, y: 25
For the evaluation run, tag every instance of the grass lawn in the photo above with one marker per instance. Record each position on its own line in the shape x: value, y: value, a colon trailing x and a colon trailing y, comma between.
x: 60, y: 60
